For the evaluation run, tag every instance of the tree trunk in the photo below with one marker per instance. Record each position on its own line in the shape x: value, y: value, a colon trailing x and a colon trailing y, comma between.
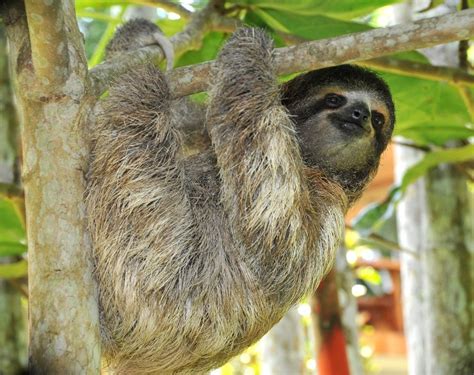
x: 412, y: 223
x: 348, y: 311
x: 329, y: 331
x: 448, y: 273
x: 283, y: 347
x: 436, y: 218
x: 46, y: 52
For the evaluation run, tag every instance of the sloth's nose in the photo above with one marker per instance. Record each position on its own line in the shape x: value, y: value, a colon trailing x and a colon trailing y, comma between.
x: 360, y: 114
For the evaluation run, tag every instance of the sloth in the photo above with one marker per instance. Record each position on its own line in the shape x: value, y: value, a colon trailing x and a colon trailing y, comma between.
x: 197, y: 255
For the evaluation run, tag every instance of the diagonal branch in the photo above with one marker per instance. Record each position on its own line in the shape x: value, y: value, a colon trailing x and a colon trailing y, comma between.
x: 309, y: 55
x: 344, y: 49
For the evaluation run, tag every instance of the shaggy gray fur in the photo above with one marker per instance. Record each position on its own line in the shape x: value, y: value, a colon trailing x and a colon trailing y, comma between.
x: 198, y: 257
x: 136, y: 33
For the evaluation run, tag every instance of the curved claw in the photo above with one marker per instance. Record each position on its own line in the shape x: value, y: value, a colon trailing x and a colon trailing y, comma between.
x: 167, y: 48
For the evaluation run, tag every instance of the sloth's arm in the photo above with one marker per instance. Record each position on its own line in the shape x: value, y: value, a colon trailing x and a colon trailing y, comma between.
x: 263, y: 190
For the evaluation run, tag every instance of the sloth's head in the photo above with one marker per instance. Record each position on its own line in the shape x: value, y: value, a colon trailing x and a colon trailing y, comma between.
x: 344, y: 118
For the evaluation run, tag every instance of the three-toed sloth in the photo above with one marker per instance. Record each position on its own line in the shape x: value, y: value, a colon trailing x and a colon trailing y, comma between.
x: 198, y: 256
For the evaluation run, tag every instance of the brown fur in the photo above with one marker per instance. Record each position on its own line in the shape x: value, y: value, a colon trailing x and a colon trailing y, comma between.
x: 197, y: 257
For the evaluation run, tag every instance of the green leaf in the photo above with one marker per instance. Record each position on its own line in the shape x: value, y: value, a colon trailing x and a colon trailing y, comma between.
x: 13, y: 270
x: 11, y: 228
x: 99, y: 50
x: 374, y: 215
x: 343, y: 9
x: 369, y: 274
x: 12, y: 248
x: 171, y: 27
x: 306, y: 26
x: 210, y: 46
x: 428, y: 112
x: 434, y: 158
x: 12, y: 233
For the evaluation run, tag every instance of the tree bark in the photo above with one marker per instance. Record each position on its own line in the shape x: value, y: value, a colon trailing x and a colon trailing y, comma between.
x: 55, y: 107
x: 448, y: 273
x: 436, y: 218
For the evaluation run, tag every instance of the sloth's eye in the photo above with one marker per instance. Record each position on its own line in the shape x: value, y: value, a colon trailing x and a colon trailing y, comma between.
x: 334, y: 100
x: 377, y: 119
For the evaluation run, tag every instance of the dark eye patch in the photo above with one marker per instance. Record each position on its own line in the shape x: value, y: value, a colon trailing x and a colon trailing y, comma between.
x: 334, y: 100
x: 377, y: 119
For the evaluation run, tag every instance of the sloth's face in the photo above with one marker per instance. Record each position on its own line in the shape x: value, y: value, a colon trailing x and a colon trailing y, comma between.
x: 344, y: 118
x: 342, y: 129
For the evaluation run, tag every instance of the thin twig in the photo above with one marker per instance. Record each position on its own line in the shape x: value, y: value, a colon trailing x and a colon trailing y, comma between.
x: 412, y: 145
x: 463, y: 44
x: 465, y: 93
x: 468, y: 99
x: 378, y: 239
x: 21, y: 285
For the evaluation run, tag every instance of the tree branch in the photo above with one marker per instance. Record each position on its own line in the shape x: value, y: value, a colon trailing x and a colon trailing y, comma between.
x: 421, y: 70
x: 313, y: 55
x: 343, y: 49
x: 387, y: 64
x: 49, y: 43
x: 406, y: 68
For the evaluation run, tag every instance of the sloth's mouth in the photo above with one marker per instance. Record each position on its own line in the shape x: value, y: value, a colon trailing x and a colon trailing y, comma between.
x: 351, y: 125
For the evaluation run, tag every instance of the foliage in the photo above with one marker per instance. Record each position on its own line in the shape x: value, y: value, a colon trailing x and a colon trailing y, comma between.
x: 12, y: 240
